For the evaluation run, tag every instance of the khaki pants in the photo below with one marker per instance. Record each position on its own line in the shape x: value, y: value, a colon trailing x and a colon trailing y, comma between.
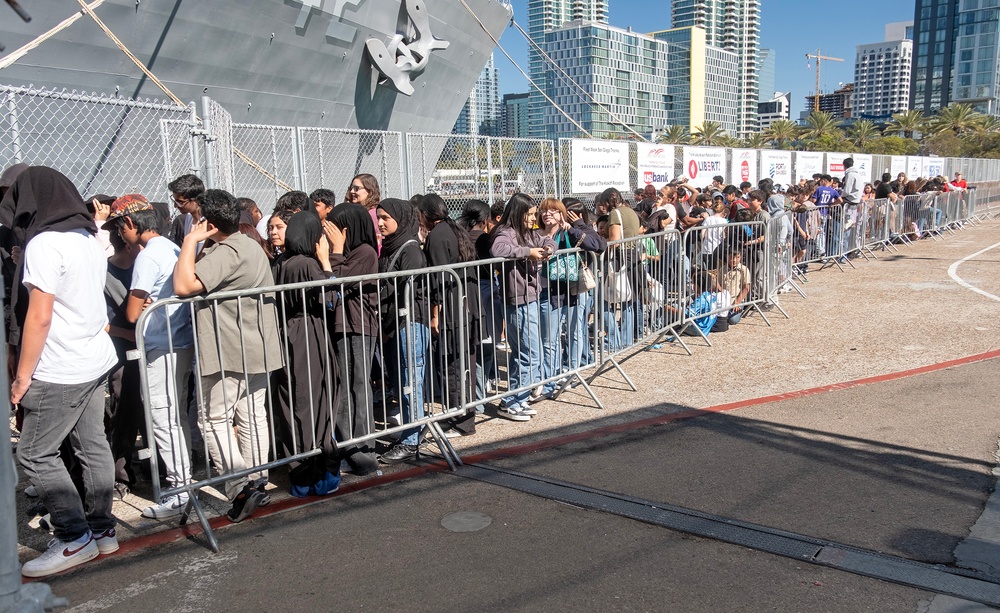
x: 239, y: 401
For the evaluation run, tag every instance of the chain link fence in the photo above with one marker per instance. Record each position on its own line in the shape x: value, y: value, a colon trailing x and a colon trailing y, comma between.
x: 111, y: 145
x: 104, y: 144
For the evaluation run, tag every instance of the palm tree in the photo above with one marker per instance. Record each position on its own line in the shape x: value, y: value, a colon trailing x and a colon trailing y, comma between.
x: 783, y: 130
x: 708, y: 133
x: 958, y: 118
x: 674, y: 135
x: 861, y: 132
x: 907, y: 123
x: 758, y: 140
x: 727, y: 141
x: 820, y: 124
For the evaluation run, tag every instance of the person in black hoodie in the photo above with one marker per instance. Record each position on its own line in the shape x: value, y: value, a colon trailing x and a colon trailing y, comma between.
x: 356, y: 324
x: 307, y: 387
x: 405, y: 313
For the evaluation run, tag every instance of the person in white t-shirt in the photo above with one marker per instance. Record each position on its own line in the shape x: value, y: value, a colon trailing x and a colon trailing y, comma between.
x: 168, y: 341
x: 65, y: 357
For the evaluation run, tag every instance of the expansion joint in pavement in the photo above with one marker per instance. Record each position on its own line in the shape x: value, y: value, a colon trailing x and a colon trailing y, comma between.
x: 961, y: 583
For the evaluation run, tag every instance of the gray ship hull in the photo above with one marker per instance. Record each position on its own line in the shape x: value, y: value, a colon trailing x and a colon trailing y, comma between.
x: 280, y: 62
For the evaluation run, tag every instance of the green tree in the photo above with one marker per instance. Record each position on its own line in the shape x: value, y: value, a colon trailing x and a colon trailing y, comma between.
x: 955, y: 118
x: 674, y: 135
x: 819, y: 125
x: 759, y: 140
x: 892, y: 145
x: 861, y: 132
x: 708, y: 133
x: 830, y: 141
x: 944, y: 143
x: 783, y: 132
x: 727, y: 141
x: 906, y: 123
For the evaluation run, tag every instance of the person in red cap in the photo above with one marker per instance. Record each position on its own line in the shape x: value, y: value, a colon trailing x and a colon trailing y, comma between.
x: 168, y: 340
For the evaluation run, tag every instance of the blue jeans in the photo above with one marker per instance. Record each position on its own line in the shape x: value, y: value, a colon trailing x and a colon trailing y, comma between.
x: 552, y: 319
x: 582, y: 311
x: 408, y: 372
x: 54, y: 412
x: 525, y: 364
x: 835, y: 236
x: 492, y: 324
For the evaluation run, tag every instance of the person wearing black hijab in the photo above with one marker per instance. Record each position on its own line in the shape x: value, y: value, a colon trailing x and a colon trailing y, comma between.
x: 65, y: 356
x: 405, y: 339
x: 355, y: 331
x: 307, y: 386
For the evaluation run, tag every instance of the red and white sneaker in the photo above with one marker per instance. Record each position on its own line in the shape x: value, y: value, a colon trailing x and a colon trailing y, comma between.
x: 107, y: 541
x: 62, y: 555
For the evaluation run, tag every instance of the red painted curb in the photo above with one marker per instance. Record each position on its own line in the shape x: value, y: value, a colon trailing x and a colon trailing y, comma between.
x: 191, y: 530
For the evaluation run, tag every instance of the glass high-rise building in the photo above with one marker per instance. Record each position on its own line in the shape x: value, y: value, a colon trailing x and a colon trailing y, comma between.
x: 975, y: 79
x: 731, y: 25
x: 482, y: 113
x: 767, y: 84
x: 545, y: 15
x: 935, y: 28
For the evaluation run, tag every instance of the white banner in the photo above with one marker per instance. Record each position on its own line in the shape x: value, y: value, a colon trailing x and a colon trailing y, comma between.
x: 933, y: 167
x: 703, y: 163
x: 655, y: 164
x: 743, y: 167
x: 863, y: 162
x: 807, y: 164
x: 835, y: 163
x: 897, y: 164
x: 914, y: 166
x: 598, y: 165
x: 777, y: 166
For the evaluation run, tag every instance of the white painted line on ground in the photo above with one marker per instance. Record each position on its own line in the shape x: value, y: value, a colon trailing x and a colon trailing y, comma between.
x: 953, y: 273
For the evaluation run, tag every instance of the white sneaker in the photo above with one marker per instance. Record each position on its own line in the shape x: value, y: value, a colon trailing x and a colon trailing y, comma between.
x: 514, y: 413
x: 107, y: 541
x: 31, y: 491
x: 170, y: 506
x: 61, y: 556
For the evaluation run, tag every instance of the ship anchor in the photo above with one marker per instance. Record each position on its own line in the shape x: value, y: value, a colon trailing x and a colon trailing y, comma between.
x: 402, y: 60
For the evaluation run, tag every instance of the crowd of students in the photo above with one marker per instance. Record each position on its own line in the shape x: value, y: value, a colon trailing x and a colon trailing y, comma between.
x: 325, y: 363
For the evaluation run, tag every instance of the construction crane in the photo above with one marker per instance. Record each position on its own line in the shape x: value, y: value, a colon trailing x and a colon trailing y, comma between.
x: 819, y: 58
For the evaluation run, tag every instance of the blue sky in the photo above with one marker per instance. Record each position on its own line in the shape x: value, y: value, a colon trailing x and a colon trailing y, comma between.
x: 791, y: 27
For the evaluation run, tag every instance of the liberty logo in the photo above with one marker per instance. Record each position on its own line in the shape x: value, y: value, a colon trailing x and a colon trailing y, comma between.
x: 337, y: 30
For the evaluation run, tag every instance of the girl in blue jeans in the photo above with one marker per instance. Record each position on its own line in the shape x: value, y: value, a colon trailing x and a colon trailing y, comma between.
x: 515, y: 237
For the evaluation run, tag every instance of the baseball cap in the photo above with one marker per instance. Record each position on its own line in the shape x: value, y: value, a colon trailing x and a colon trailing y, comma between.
x: 128, y: 204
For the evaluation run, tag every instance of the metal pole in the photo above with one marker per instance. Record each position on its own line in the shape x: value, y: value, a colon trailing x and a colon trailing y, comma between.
x: 405, y: 186
x: 193, y: 142
x: 489, y: 169
x: 15, y: 131
x: 206, y: 119
x: 296, y: 160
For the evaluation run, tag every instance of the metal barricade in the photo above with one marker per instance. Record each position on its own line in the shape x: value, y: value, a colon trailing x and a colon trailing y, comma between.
x: 778, y: 257
x: 283, y: 377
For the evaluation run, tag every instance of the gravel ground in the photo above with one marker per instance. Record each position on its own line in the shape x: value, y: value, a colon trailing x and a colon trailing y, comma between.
x: 900, y: 312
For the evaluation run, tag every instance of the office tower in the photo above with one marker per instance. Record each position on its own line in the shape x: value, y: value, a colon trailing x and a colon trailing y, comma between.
x: 882, y: 79
x: 778, y: 107
x: 703, y: 82
x: 975, y: 58
x: 482, y: 113
x: 515, y: 112
x: 767, y: 85
x: 623, y: 70
x: 545, y: 15
x: 731, y: 25
x: 899, y: 30
x: 934, y: 33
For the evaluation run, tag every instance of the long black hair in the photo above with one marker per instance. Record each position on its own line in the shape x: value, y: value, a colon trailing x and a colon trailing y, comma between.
x: 476, y: 212
x: 435, y: 210
x: 514, y: 215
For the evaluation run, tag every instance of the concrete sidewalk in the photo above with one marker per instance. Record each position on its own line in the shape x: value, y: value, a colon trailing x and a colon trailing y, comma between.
x: 853, y: 465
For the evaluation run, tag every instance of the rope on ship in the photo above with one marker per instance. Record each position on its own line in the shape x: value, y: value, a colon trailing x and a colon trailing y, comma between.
x: 23, y: 51
x: 565, y: 76
x: 243, y: 156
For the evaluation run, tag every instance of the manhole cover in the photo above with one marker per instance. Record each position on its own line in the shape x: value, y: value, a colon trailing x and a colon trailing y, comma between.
x: 466, y: 521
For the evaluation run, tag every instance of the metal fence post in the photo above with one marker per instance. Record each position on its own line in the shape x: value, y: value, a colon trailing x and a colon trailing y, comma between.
x: 194, y: 132
x: 406, y: 182
x: 489, y: 169
x: 297, y: 179
x: 206, y: 112
x: 15, y: 131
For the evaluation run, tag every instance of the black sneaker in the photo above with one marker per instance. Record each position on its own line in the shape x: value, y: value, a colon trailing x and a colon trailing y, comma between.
x: 399, y: 453
x: 266, y: 500
x: 245, y: 503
